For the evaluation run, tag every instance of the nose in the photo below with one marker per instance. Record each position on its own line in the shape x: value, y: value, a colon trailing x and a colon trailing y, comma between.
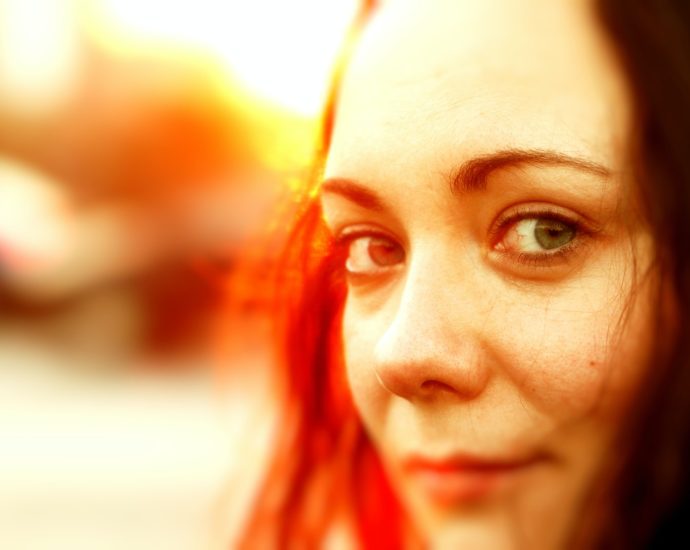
x: 435, y: 343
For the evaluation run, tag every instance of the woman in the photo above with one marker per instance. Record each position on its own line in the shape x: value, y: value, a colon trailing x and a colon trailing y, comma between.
x: 489, y: 295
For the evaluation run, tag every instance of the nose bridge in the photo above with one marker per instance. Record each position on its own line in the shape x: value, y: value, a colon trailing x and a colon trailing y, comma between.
x: 434, y: 340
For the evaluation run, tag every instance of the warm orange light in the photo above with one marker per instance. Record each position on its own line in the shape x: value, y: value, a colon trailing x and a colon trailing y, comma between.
x: 281, y: 51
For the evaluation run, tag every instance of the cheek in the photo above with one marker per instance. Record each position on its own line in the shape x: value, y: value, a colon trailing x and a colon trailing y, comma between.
x: 360, y: 334
x: 579, y: 353
x: 574, y: 353
x: 557, y: 360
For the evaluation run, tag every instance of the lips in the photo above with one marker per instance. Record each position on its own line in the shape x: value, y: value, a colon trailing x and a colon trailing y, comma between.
x: 465, y: 479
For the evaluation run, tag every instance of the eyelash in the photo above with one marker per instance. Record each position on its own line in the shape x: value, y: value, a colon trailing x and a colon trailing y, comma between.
x: 536, y: 260
x: 540, y: 259
x: 344, y: 239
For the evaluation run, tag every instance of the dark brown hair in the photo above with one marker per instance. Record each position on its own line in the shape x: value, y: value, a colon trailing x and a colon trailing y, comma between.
x: 646, y: 505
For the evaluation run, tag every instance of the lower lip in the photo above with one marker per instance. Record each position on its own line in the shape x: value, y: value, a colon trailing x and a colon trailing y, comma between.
x: 464, y: 485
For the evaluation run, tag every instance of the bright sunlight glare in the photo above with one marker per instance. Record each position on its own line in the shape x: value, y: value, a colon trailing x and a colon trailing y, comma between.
x: 282, y: 51
x: 39, y: 56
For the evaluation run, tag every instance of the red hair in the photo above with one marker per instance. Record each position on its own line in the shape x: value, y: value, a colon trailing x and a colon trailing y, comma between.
x: 325, y: 474
x: 325, y: 471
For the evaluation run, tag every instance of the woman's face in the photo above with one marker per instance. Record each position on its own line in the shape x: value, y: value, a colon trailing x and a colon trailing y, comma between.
x: 500, y: 285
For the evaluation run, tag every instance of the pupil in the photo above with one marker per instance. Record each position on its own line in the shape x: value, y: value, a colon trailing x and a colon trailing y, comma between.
x: 552, y: 234
x: 384, y: 253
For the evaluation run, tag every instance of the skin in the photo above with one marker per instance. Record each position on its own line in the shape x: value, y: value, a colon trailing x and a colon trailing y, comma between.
x: 462, y: 335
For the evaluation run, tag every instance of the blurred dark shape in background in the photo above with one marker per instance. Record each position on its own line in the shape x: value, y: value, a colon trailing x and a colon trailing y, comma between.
x: 156, y: 178
x: 130, y: 186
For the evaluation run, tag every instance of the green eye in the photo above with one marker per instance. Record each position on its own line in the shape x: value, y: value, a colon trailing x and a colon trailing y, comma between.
x: 552, y: 234
x: 538, y: 234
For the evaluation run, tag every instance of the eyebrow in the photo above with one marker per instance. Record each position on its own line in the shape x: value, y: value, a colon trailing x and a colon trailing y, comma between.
x: 354, y: 192
x: 472, y: 175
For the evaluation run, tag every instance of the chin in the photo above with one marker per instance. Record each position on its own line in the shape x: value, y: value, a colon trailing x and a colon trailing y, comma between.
x: 485, y: 533
x: 514, y: 521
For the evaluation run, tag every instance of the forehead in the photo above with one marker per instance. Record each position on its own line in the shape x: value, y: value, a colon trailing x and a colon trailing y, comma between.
x: 437, y: 78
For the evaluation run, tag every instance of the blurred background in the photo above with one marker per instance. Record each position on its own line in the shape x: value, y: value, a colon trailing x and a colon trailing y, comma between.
x: 144, y: 148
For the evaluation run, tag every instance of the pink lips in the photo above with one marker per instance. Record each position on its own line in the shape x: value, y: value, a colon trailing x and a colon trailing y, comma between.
x: 463, y: 479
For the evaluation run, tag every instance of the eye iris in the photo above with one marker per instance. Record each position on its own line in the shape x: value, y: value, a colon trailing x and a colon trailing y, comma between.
x: 384, y: 252
x: 552, y: 234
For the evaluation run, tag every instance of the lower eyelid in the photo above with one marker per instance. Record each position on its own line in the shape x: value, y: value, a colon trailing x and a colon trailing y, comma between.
x: 545, y: 259
x: 569, y: 254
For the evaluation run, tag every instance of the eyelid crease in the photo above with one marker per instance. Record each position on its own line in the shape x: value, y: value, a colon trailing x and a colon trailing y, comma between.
x: 544, y: 259
x: 351, y: 232
x: 516, y: 214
